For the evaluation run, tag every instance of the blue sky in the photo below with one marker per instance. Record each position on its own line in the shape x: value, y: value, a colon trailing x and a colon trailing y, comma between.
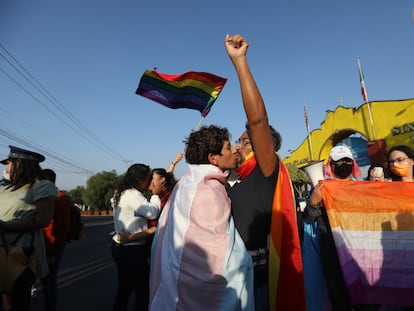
x: 90, y: 54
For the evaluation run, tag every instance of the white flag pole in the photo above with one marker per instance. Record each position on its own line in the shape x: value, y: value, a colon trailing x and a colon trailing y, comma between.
x: 199, y: 124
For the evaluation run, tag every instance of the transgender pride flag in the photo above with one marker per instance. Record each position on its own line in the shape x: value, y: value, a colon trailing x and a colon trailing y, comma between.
x: 192, y: 90
x: 198, y: 259
x: 373, y: 228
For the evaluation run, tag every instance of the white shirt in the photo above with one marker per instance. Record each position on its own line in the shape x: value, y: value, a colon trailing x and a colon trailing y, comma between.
x: 132, y: 212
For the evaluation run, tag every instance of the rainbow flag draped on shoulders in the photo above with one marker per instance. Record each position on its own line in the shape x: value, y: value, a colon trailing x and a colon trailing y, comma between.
x: 192, y: 90
x: 373, y: 228
x: 286, y: 282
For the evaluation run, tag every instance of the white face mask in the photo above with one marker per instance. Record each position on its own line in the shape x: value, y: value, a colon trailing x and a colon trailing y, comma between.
x: 6, y: 176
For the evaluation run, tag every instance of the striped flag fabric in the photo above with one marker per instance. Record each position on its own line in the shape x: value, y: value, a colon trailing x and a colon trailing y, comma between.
x: 198, y: 259
x: 192, y: 90
x: 373, y: 228
x: 362, y: 81
x: 286, y: 281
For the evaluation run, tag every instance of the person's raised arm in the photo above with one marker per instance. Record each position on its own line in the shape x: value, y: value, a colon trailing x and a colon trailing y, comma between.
x: 236, y: 47
x: 177, y: 159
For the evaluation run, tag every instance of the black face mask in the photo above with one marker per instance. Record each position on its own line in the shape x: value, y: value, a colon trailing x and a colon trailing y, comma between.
x: 344, y: 170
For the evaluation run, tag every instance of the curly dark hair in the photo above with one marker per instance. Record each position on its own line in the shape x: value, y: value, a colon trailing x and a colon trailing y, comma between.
x: 135, y: 174
x: 207, y: 140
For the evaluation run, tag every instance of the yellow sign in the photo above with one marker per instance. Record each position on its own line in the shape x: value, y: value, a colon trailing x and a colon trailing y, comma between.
x: 389, y: 121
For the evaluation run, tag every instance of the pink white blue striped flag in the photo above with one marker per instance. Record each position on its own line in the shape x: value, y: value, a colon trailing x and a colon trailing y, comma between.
x: 198, y: 259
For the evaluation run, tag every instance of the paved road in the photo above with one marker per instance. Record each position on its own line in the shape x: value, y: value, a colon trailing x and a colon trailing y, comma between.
x: 87, y: 277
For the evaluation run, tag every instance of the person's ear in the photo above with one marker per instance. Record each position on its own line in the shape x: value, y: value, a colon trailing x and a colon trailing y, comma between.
x: 213, y: 159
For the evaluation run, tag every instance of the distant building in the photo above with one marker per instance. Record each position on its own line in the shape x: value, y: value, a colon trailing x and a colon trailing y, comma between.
x: 392, y: 124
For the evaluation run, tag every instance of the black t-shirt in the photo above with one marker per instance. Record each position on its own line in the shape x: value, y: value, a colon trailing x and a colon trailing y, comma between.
x: 251, y: 205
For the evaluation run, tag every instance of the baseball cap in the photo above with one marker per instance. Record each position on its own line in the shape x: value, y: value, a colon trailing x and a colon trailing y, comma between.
x: 19, y: 153
x: 340, y: 152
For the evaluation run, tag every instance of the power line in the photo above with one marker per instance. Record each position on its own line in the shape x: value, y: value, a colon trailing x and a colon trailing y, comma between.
x: 49, y: 154
x: 51, y: 111
x: 13, y: 137
x: 42, y: 90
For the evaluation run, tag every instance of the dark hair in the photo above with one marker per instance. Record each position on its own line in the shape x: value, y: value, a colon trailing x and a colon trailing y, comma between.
x: 207, y: 140
x: 170, y: 180
x: 135, y: 174
x: 407, y: 150
x: 49, y: 174
x: 25, y: 173
x: 276, y: 138
x: 386, y: 174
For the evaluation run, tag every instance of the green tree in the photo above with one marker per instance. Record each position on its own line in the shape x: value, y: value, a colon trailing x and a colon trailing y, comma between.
x: 299, y: 179
x: 77, y: 195
x: 99, y: 190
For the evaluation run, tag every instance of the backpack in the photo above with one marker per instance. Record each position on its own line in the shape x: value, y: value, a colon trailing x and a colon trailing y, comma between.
x: 76, y: 225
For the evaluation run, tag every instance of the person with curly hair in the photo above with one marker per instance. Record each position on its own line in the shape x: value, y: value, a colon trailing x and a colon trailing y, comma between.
x: 198, y: 260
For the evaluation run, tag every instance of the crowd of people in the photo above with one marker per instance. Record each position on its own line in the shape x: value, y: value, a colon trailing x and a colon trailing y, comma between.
x: 320, y: 258
x: 206, y: 241
x: 203, y: 250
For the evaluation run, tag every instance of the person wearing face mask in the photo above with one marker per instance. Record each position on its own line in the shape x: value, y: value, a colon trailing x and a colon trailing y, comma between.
x: 400, y: 163
x: 198, y: 259
x: 400, y: 167
x: 27, y: 203
x: 341, y: 166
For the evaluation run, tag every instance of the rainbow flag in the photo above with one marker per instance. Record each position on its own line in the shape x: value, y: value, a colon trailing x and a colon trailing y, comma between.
x: 373, y: 228
x: 192, y: 90
x: 286, y: 283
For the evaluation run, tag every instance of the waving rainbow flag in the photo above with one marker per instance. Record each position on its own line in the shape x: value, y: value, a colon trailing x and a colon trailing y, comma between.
x: 286, y: 283
x: 373, y: 228
x: 192, y: 90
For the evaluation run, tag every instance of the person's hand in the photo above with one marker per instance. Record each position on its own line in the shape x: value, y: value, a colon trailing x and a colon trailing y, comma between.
x: 151, y: 230
x: 178, y: 158
x: 123, y: 236
x: 236, y: 46
x: 156, y: 189
x: 316, y: 196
